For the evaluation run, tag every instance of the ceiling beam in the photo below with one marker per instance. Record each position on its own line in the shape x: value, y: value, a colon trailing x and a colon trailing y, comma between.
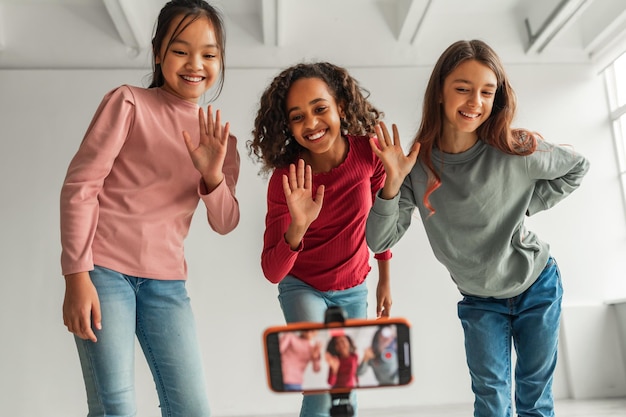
x: 556, y: 21
x: 126, y: 18
x: 410, y: 15
x: 602, y: 23
x: 271, y: 21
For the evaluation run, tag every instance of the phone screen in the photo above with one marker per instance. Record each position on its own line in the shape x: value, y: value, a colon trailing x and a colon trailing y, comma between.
x: 339, y: 358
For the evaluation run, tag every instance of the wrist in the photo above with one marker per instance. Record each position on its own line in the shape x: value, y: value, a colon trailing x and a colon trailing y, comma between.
x: 211, y: 182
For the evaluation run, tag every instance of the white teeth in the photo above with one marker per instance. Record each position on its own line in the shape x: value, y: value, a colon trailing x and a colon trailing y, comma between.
x: 470, y: 114
x: 316, y: 135
x: 192, y: 79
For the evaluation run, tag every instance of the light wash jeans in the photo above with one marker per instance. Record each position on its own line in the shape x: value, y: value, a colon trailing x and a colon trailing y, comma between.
x: 301, y: 302
x: 531, y: 320
x: 158, y: 312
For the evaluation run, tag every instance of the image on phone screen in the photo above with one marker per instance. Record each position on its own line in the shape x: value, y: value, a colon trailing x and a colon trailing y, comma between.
x: 326, y: 359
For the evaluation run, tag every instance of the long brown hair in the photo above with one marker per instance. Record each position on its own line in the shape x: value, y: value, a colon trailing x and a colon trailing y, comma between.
x: 496, y: 131
x: 272, y: 142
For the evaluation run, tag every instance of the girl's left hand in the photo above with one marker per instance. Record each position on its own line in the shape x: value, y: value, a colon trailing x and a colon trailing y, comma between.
x: 208, y: 157
x: 383, y: 299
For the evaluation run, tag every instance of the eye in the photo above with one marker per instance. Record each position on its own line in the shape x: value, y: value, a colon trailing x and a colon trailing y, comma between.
x: 321, y: 109
x: 178, y: 52
x: 488, y: 93
x: 295, y: 118
x: 462, y: 90
x: 210, y: 56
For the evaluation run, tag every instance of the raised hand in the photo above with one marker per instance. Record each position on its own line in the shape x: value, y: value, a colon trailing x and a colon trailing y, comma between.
x: 333, y: 362
x: 208, y: 156
x: 390, y: 152
x: 303, y: 207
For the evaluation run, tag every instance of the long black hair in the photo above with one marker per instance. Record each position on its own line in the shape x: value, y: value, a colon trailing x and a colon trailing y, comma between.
x: 191, y: 10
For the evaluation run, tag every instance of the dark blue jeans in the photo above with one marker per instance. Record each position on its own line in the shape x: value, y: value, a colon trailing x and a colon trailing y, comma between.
x: 531, y: 321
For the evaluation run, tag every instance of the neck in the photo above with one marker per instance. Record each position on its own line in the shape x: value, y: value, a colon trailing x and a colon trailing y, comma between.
x: 327, y: 161
x: 457, y: 142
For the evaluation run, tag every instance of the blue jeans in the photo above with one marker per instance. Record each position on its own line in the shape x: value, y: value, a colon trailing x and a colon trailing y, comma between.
x: 531, y: 320
x: 301, y: 302
x: 159, y: 313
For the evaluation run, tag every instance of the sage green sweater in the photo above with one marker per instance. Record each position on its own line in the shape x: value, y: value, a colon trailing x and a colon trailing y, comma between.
x: 477, y: 231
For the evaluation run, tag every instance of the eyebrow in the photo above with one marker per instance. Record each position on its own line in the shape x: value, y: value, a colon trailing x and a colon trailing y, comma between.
x: 209, y: 45
x: 312, y: 102
x: 461, y: 80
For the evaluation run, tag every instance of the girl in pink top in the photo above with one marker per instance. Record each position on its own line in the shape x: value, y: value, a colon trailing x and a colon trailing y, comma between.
x: 311, y: 132
x: 296, y: 352
x: 148, y: 157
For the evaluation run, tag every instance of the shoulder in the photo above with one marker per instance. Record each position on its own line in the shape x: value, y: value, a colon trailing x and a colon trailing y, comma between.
x: 125, y: 93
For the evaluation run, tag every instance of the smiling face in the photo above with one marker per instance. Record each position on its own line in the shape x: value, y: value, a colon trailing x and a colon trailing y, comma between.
x: 467, y: 98
x: 191, y: 62
x: 342, y: 346
x: 314, y: 118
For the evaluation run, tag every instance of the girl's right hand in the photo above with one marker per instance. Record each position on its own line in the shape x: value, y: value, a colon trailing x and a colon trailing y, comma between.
x: 333, y: 362
x: 303, y: 207
x: 397, y: 165
x: 81, y: 306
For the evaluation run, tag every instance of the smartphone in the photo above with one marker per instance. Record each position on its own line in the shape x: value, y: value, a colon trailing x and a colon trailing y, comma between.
x: 338, y: 356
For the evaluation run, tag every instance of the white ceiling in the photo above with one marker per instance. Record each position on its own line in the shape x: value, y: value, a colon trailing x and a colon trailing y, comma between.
x: 275, y: 33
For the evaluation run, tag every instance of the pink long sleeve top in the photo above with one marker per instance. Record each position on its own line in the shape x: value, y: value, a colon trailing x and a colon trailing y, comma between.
x: 131, y: 189
x: 295, y: 354
x: 333, y: 254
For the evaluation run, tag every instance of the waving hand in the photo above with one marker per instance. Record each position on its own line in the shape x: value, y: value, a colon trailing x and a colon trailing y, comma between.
x: 208, y: 156
x: 397, y: 165
x: 303, y: 207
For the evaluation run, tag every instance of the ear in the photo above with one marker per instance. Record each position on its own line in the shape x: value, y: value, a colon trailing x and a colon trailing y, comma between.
x: 342, y: 113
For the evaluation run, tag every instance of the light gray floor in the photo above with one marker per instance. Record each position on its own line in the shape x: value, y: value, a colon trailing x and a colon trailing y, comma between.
x: 615, y: 407
x: 563, y: 408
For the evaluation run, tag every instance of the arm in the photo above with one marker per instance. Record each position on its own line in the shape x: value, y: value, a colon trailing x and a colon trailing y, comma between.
x: 291, y: 208
x: 558, y: 170
x: 79, y: 206
x: 217, y: 160
x: 383, y: 289
x: 333, y: 368
x: 221, y: 203
x: 393, y: 207
x: 316, y: 356
x: 80, y: 209
x: 368, y: 354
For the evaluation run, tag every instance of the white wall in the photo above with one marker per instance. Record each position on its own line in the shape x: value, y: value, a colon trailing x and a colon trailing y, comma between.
x: 43, y: 115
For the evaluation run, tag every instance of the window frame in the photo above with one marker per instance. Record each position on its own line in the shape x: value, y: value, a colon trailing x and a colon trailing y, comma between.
x: 615, y: 81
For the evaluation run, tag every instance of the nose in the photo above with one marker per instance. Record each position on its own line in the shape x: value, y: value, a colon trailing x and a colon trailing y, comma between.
x: 474, y: 99
x: 310, y: 121
x: 194, y: 61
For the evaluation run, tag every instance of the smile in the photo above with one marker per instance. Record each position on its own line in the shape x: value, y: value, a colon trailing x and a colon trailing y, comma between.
x: 316, y: 135
x: 192, y: 79
x: 470, y: 115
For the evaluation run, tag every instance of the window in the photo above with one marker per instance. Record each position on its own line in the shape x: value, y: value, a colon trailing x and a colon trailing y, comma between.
x: 616, y: 88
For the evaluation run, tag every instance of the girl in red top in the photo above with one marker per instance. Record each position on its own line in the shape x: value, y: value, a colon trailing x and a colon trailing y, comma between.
x: 342, y: 362
x: 311, y: 132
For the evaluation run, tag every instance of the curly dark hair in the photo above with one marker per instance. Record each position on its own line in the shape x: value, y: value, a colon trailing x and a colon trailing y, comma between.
x: 272, y: 143
x: 331, y: 347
